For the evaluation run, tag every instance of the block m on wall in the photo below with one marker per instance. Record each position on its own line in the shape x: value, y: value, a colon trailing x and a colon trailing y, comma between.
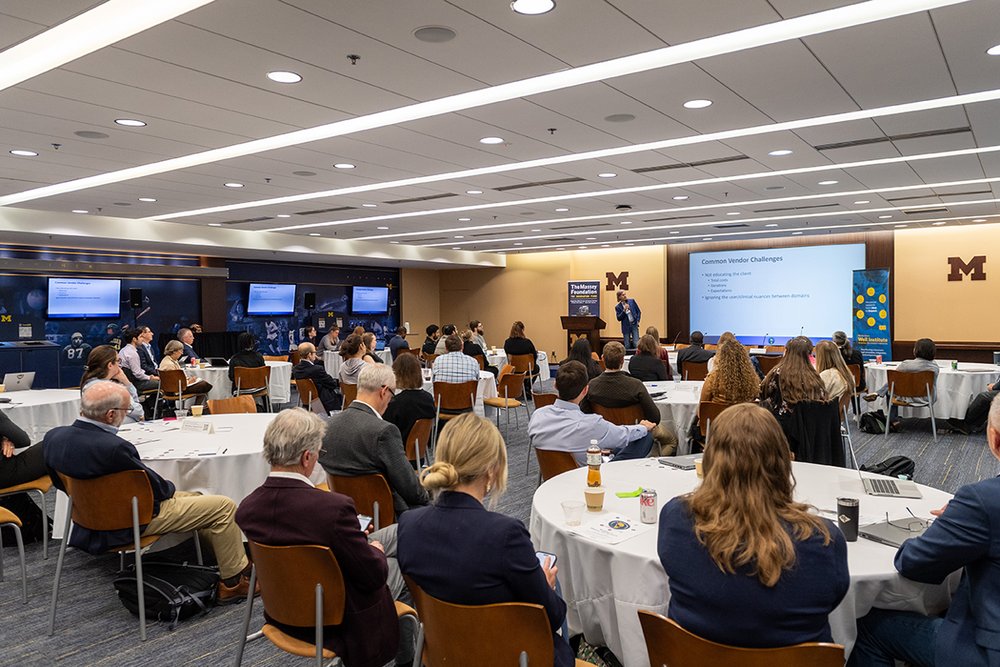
x: 974, y: 268
x: 617, y: 282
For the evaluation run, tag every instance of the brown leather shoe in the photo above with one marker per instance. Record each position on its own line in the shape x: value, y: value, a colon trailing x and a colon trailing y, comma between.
x: 235, y: 594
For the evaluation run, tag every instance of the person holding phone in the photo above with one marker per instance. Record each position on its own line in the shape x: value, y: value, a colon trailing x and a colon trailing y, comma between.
x: 459, y: 551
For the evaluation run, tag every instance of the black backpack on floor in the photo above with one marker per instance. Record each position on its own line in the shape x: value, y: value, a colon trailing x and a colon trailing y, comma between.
x: 173, y: 591
x: 899, y: 467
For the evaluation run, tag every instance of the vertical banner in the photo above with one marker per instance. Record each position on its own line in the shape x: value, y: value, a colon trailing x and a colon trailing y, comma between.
x: 871, y: 313
x: 584, y: 298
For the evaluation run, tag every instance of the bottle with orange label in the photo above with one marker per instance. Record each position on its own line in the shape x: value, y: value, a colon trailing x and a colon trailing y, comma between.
x: 594, y: 464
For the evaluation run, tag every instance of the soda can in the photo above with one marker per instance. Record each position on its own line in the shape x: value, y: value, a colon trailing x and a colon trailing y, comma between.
x: 647, y: 506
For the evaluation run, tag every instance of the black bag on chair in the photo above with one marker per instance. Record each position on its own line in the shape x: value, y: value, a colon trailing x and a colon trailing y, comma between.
x: 31, y: 518
x: 173, y: 591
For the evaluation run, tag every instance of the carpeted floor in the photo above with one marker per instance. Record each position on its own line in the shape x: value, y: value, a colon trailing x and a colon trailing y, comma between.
x: 94, y: 629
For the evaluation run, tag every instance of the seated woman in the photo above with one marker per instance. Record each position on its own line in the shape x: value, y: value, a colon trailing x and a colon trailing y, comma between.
x: 831, y: 367
x: 472, y: 348
x: 792, y: 381
x: 411, y: 402
x: 518, y: 343
x: 732, y: 380
x: 195, y: 385
x: 645, y: 364
x: 353, y: 352
x: 581, y: 352
x: 102, y: 366
x: 747, y: 565
x: 310, y: 335
x: 248, y: 356
x: 458, y: 551
x: 370, y: 341
x: 851, y: 356
x: 663, y: 353
x: 21, y: 468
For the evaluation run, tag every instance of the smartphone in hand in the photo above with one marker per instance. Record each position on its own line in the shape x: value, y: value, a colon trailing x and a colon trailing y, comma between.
x: 542, y: 556
x: 364, y: 521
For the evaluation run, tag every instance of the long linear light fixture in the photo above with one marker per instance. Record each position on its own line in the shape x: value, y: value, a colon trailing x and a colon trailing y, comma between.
x: 924, y: 105
x: 753, y: 202
x: 645, y: 188
x: 91, y: 31
x: 716, y: 235
x: 896, y: 109
x: 748, y: 38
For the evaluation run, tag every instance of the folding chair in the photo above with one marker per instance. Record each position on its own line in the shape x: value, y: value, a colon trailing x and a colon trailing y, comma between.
x: 695, y: 370
x: 41, y: 487
x: 370, y: 494
x: 452, y: 399
x: 237, y: 405
x: 11, y: 520
x: 420, y: 432
x: 919, y: 385
x: 253, y: 382
x: 512, y: 389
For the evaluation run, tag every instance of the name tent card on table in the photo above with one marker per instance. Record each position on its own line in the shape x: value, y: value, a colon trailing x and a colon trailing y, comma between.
x: 197, y: 426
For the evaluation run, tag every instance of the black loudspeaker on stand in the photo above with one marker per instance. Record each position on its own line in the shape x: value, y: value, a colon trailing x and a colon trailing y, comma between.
x: 309, y: 300
x: 135, y: 297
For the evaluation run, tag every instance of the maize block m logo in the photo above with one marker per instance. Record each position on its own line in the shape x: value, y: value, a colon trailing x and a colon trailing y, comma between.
x: 6, y: 318
x: 974, y: 268
x: 616, y: 282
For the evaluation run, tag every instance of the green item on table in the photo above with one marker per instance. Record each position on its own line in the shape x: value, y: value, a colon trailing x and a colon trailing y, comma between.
x: 630, y: 494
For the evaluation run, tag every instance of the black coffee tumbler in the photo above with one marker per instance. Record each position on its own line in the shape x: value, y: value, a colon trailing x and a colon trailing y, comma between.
x: 847, y: 518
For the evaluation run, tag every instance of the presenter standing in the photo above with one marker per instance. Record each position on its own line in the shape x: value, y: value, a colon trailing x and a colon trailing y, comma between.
x: 628, y: 313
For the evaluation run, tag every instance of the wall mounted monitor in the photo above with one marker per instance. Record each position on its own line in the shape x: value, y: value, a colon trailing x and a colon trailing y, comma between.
x: 369, y: 300
x: 80, y: 298
x: 271, y: 299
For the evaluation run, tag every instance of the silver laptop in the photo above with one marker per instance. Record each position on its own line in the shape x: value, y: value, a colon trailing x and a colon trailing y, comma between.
x: 18, y: 381
x: 885, y: 486
x: 894, y: 532
x: 680, y: 462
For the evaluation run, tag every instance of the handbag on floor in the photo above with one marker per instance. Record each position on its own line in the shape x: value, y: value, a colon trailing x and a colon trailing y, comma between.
x: 173, y: 591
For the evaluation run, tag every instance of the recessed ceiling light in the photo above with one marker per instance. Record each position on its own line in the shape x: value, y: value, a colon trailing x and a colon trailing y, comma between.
x: 561, y: 210
x: 902, y: 225
x: 434, y: 34
x: 625, y: 222
x: 828, y: 182
x: 680, y: 197
x: 862, y: 201
x: 560, y: 248
x: 675, y: 232
x: 459, y: 237
x: 583, y: 247
x: 147, y: 199
x: 629, y: 244
x: 313, y: 233
x: 620, y: 118
x: 456, y: 248
x: 884, y: 217
x: 234, y: 185
x: 707, y: 238
x: 773, y: 224
x: 697, y: 104
x: 464, y: 219
x: 796, y: 233
x: 19, y: 152
x: 344, y: 165
x: 215, y: 224
x: 518, y: 243
x: 80, y: 210
x: 938, y: 224
x: 382, y: 227
x: 532, y: 7
x: 733, y: 213
x: 993, y: 50
x: 130, y: 122
x: 591, y: 238
x: 393, y: 241
x: 491, y: 141
x: 284, y: 215
x: 279, y: 76
x: 980, y: 220
x: 781, y: 152
x: 605, y: 245
x: 473, y: 192
x: 607, y: 174
x: 370, y: 205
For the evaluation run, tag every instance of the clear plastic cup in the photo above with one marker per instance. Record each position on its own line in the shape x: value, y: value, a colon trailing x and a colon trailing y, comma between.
x: 573, y: 511
x: 180, y: 414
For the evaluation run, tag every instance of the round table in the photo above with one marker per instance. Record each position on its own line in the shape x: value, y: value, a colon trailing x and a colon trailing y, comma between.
x: 486, y: 388
x: 279, y: 386
x: 678, y: 406
x: 227, y: 462
x: 332, y: 361
x: 955, y: 388
x: 37, y: 411
x: 606, y: 585
x: 497, y: 357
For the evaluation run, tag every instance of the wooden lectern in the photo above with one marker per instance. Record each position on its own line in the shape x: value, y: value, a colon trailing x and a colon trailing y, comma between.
x: 578, y: 326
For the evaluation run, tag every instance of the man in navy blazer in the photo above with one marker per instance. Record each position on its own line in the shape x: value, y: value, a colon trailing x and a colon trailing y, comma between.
x: 289, y: 510
x: 966, y: 535
x: 628, y: 313
x: 310, y: 368
x: 91, y: 448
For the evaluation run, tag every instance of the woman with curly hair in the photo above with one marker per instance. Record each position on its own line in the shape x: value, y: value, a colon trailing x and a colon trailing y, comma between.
x: 733, y: 379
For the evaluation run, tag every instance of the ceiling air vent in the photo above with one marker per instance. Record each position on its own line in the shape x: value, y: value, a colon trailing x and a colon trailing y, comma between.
x: 245, y: 220
x: 414, y: 200
x: 596, y: 224
x: 795, y: 208
x: 699, y: 163
x: 918, y: 211
x: 731, y: 225
x: 501, y: 233
x: 678, y: 217
x: 428, y: 240
x: 326, y: 210
x: 538, y: 184
x: 949, y: 194
x: 893, y: 137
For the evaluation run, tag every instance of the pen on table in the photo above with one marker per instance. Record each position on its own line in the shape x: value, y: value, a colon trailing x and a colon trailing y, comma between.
x: 225, y: 450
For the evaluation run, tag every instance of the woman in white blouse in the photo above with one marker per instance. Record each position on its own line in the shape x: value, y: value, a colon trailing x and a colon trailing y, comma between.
x: 832, y: 369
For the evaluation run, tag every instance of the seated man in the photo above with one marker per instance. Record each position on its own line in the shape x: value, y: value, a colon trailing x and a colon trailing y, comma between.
x: 446, y: 330
x: 128, y: 358
x: 288, y: 510
x: 310, y: 368
x: 965, y: 536
x: 563, y: 427
x: 977, y: 412
x: 186, y: 336
x: 398, y: 343
x: 455, y: 366
x: 359, y: 442
x: 430, y: 343
x: 91, y: 448
x: 616, y: 389
x: 923, y: 353
x: 472, y: 348
x: 147, y: 357
x: 695, y: 352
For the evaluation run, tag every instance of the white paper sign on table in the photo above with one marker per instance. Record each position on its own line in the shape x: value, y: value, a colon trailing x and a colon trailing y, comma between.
x: 611, y: 528
x: 197, y: 426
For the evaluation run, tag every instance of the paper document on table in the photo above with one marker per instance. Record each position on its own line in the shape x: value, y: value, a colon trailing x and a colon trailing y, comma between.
x: 611, y: 529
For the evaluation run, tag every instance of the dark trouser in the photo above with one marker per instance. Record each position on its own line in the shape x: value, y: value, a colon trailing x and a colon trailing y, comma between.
x: 637, y: 449
x: 884, y: 636
x: 630, y: 335
x: 979, y: 410
x: 27, y: 466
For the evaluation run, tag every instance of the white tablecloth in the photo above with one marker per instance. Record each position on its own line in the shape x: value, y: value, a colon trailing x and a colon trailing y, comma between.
x: 955, y: 389
x: 605, y: 585
x: 37, y: 411
x: 280, y: 385
x: 498, y: 358
x: 487, y: 388
x: 677, y: 407
x: 332, y: 361
x: 228, y: 462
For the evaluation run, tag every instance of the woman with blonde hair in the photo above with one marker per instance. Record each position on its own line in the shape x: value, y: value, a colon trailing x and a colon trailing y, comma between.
x: 458, y: 551
x: 792, y: 381
x: 747, y: 564
x: 831, y: 367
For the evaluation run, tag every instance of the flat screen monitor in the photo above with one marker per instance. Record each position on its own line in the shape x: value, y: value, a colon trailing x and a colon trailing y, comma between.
x: 80, y: 298
x: 370, y: 300
x: 271, y: 299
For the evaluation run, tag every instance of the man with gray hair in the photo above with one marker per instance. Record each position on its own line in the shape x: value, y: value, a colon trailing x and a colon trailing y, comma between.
x: 310, y: 368
x: 359, y: 442
x: 964, y: 536
x: 186, y: 337
x: 289, y: 510
x: 91, y: 448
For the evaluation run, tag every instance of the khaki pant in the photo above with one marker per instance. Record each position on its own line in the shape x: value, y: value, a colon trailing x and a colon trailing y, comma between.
x: 214, y: 517
x: 665, y: 442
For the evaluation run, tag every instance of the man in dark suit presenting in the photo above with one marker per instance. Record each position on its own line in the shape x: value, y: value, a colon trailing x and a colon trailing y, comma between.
x: 288, y: 510
x: 628, y: 313
x: 359, y: 442
x: 310, y: 368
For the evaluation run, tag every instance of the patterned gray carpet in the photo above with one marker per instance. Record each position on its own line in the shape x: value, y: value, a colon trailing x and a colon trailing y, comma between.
x: 94, y: 629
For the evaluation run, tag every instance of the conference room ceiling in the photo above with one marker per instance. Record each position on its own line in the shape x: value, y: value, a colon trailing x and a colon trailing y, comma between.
x: 199, y: 82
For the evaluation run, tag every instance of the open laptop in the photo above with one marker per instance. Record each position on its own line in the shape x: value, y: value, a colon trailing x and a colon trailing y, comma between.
x: 685, y: 462
x: 895, y: 532
x: 886, y: 486
x: 18, y: 381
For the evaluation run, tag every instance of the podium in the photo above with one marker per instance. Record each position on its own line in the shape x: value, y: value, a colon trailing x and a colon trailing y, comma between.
x: 578, y: 326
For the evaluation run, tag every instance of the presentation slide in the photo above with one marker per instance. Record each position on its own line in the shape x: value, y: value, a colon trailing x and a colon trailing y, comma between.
x: 370, y: 300
x: 269, y: 299
x: 84, y: 297
x: 779, y: 293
